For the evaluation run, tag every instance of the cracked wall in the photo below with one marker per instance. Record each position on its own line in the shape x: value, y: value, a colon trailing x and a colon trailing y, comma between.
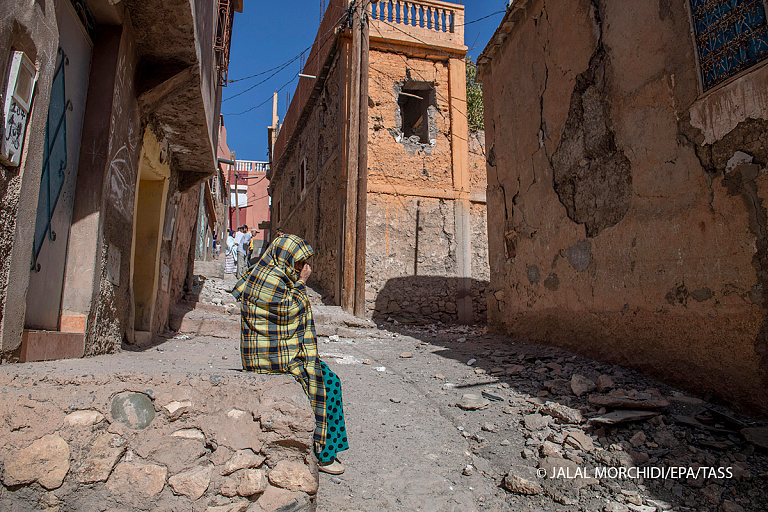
x: 316, y: 213
x: 412, y: 265
x: 616, y: 226
x: 592, y: 177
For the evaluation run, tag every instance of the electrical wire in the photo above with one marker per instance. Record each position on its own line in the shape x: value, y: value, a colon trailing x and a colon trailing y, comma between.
x: 285, y: 64
x: 265, y: 101
x: 320, y: 42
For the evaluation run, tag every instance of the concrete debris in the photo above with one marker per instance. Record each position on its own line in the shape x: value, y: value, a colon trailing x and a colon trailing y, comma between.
x: 472, y: 402
x: 604, y: 383
x: 631, y: 400
x: 617, y: 417
x: 562, y: 413
x: 581, y: 385
x: 676, y: 396
x: 580, y: 441
x: 406, y: 355
x: 522, y: 480
x: 536, y: 421
x: 758, y: 436
x: 638, y: 439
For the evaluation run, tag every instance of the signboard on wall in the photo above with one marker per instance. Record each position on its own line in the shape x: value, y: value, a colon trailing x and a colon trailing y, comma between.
x: 18, y: 103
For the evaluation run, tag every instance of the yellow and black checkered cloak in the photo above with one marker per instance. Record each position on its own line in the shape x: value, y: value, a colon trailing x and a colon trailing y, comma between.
x: 277, y: 332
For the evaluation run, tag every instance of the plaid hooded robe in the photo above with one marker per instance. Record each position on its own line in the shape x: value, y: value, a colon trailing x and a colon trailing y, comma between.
x: 277, y: 329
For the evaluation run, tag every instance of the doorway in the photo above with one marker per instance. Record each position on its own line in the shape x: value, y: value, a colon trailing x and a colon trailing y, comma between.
x: 149, y: 218
x: 59, y: 175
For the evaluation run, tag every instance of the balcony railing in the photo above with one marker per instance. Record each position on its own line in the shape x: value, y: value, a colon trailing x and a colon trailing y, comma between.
x: 251, y: 166
x: 429, y: 22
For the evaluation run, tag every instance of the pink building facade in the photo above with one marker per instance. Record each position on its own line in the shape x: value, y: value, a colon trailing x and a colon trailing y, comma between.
x: 249, y: 199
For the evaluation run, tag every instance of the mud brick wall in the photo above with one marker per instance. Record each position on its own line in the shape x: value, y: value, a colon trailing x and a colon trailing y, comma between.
x: 616, y: 227
x: 156, y: 442
x: 315, y: 213
x: 411, y: 262
x: 411, y: 239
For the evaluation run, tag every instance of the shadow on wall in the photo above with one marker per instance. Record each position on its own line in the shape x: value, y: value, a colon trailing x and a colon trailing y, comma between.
x: 427, y: 299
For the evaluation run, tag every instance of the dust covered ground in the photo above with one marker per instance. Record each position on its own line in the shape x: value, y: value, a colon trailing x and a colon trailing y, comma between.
x: 452, y: 418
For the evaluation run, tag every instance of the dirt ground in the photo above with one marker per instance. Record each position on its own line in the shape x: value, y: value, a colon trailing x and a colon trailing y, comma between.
x: 413, y: 448
x: 522, y: 438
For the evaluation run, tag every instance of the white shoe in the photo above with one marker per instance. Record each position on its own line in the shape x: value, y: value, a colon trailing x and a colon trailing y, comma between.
x: 332, y: 468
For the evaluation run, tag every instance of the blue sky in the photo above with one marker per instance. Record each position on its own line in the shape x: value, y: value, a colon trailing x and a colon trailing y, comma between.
x: 268, y: 34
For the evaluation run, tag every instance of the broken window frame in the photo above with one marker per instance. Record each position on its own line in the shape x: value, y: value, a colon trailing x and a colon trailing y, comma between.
x: 705, y: 84
x: 416, y: 96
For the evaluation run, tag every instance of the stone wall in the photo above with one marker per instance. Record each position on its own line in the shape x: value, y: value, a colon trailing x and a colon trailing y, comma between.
x: 616, y: 226
x: 220, y: 443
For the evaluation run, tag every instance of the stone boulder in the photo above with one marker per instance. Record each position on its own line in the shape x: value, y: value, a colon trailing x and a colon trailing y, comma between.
x: 45, y: 461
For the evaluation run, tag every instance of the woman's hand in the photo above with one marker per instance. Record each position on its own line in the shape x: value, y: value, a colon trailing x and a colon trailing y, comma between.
x: 305, y: 272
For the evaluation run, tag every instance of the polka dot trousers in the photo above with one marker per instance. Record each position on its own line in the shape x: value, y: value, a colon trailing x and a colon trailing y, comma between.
x: 336, y: 437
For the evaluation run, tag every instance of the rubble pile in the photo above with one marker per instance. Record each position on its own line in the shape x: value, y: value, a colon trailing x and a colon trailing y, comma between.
x: 560, y: 430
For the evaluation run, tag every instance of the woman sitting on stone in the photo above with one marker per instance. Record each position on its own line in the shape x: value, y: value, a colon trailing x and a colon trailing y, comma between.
x: 277, y: 335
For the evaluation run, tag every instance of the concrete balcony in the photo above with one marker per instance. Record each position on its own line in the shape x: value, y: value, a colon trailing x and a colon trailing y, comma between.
x: 425, y: 23
x: 178, y: 76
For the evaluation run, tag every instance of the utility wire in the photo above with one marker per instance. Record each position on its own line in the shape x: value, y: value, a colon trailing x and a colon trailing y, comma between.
x: 321, y: 42
x: 282, y: 66
x: 266, y: 100
x: 259, y: 83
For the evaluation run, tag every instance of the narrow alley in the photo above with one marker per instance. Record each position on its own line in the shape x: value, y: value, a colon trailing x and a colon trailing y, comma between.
x: 533, y: 236
x: 440, y: 418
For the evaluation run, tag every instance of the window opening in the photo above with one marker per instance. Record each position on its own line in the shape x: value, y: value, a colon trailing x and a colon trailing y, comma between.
x: 414, y: 101
x: 730, y: 36
x: 303, y: 175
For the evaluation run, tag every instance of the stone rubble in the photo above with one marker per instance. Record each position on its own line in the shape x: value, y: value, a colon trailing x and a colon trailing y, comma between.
x: 577, y: 416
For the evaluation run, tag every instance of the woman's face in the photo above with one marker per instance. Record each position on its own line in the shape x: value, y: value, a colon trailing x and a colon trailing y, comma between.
x: 299, y: 265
